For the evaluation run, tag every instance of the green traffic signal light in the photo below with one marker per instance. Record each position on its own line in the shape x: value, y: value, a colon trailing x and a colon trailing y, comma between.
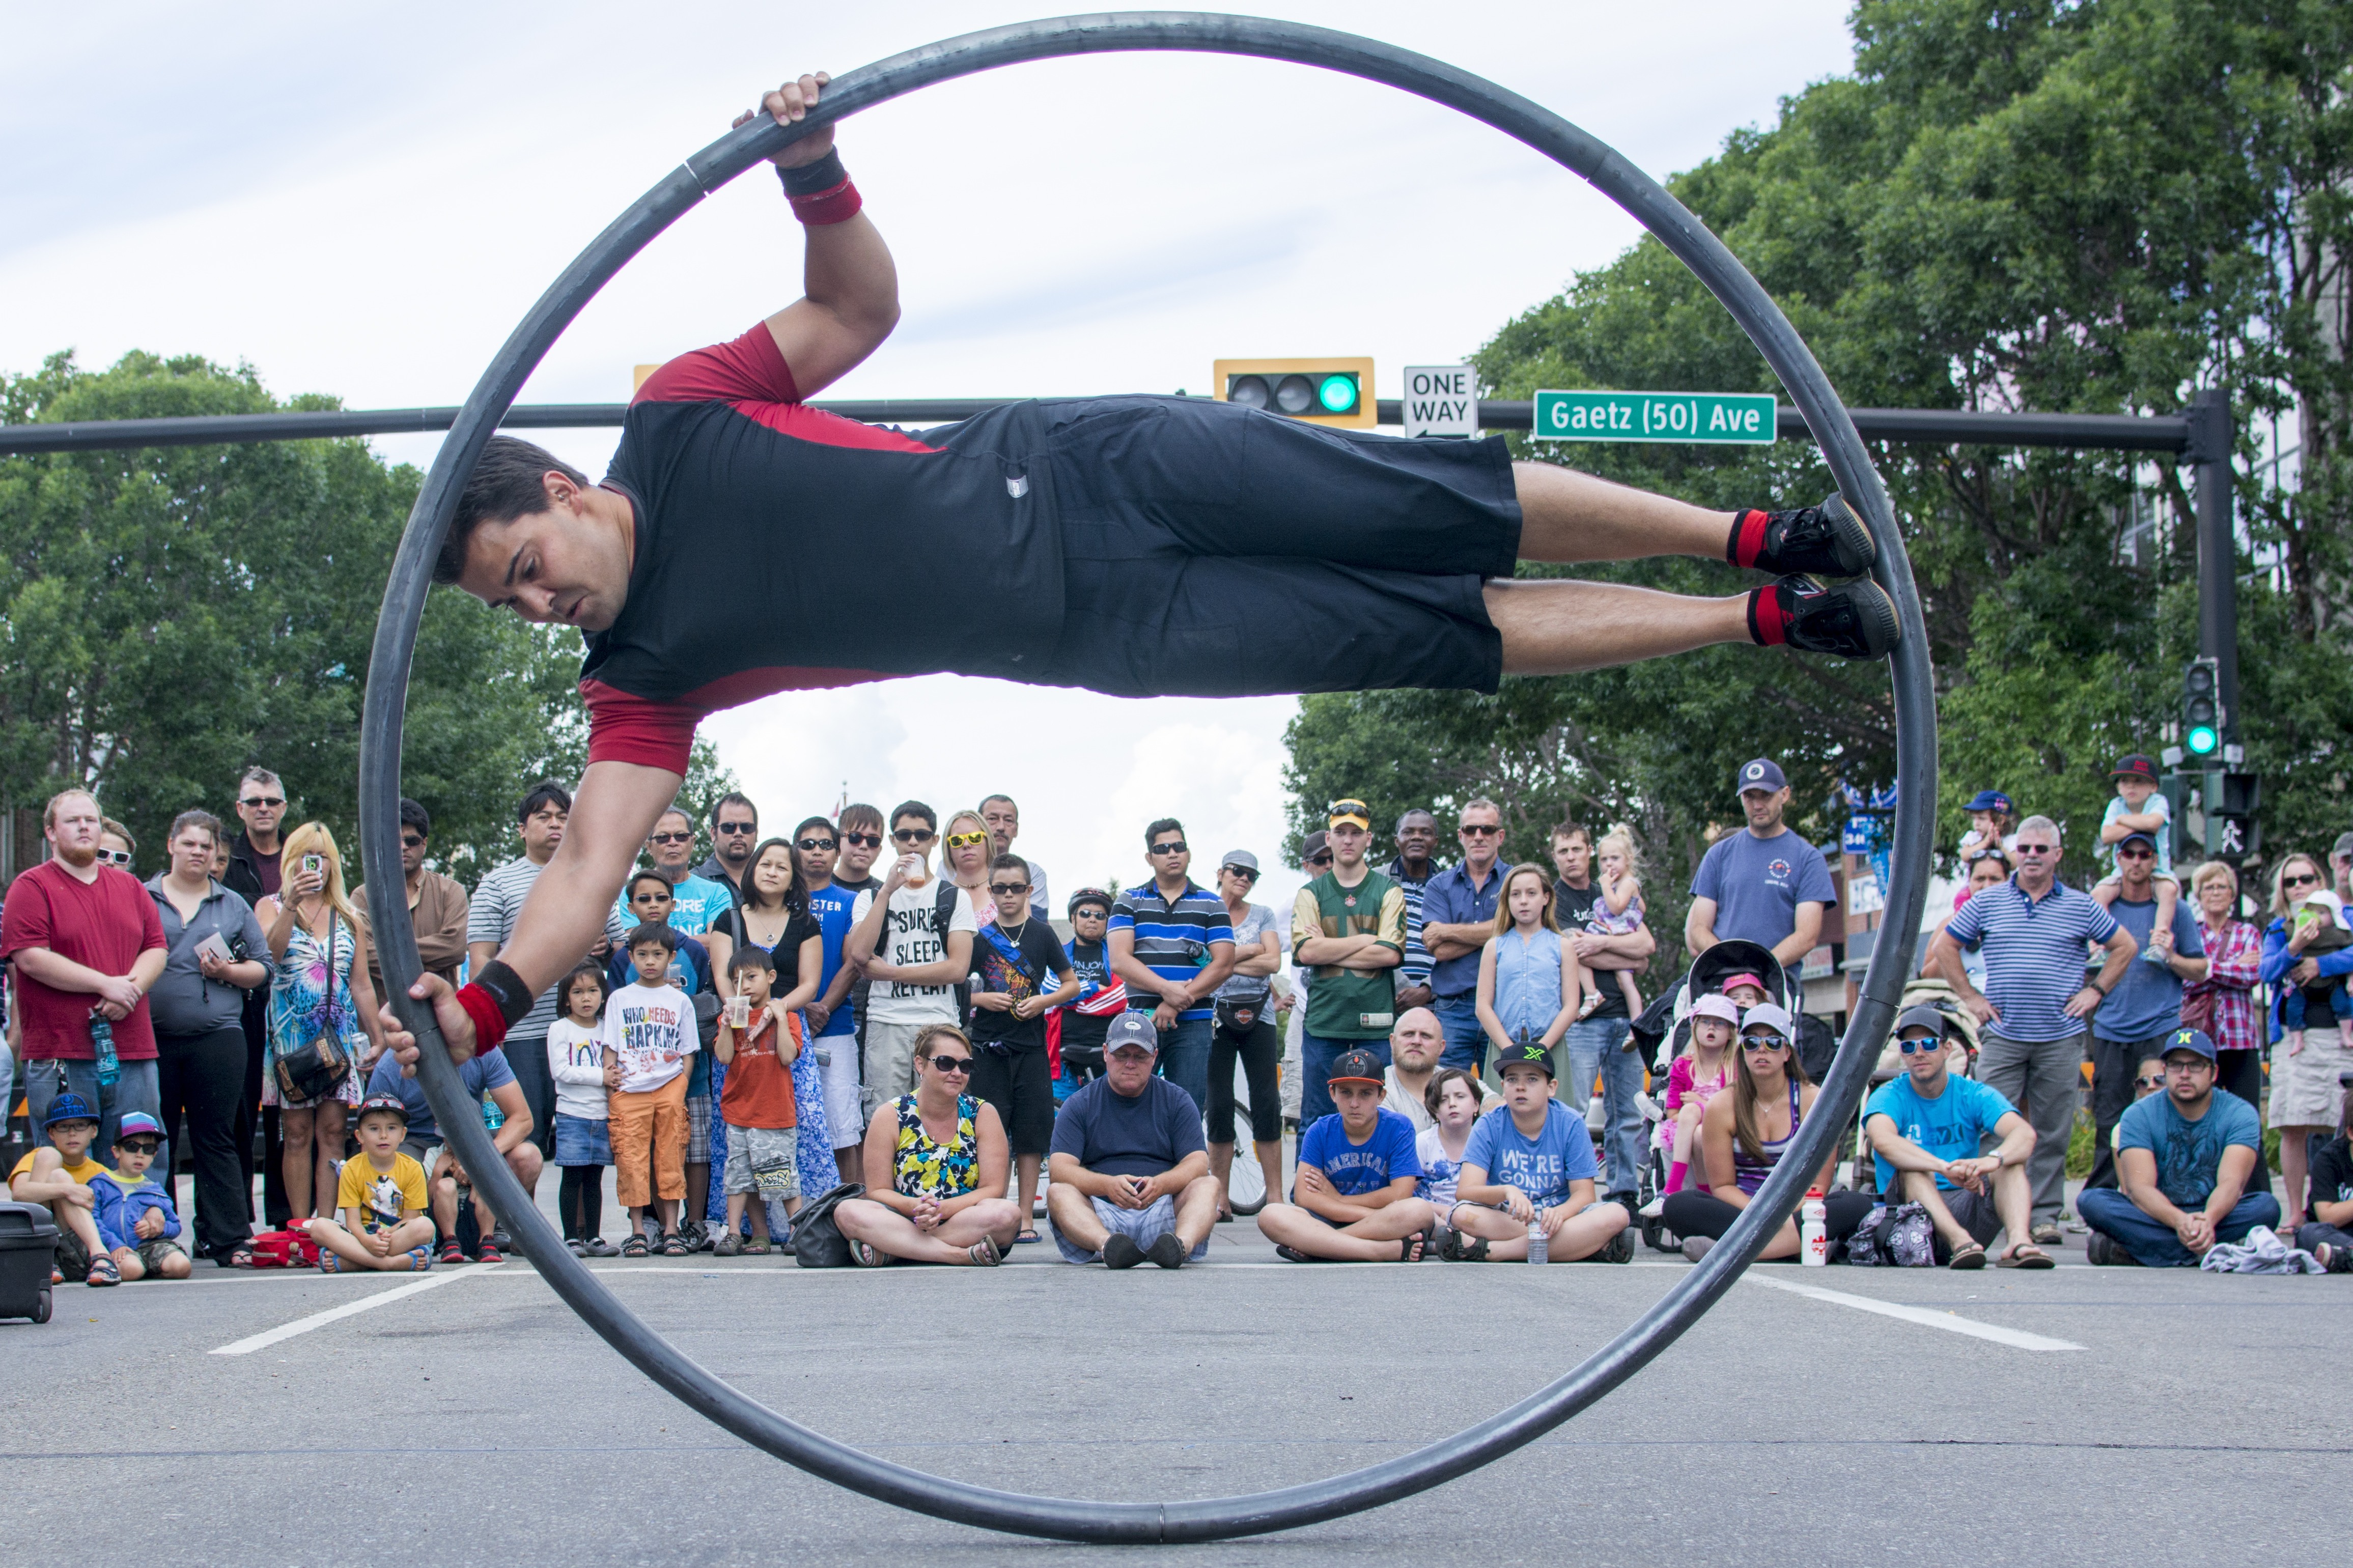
x: 1338, y: 393
x: 2201, y: 739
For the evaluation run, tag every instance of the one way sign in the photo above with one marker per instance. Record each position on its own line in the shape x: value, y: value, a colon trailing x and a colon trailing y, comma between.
x: 1441, y: 400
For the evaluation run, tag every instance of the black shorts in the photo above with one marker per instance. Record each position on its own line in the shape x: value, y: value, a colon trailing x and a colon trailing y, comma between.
x: 1018, y: 1085
x: 1216, y: 551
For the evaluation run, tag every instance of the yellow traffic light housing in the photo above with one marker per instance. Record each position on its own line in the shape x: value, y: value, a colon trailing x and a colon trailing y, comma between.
x: 1337, y: 389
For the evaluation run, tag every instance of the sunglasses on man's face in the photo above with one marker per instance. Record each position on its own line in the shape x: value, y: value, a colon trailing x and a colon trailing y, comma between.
x: 737, y: 827
x: 812, y: 846
x: 1005, y: 889
x: 1479, y: 830
x: 1910, y: 1047
x: 2038, y: 849
x: 2135, y: 853
x: 862, y: 840
x: 1173, y: 846
x: 263, y: 800
x: 913, y: 835
x: 1323, y: 859
x: 410, y: 841
x: 115, y: 857
x: 670, y: 838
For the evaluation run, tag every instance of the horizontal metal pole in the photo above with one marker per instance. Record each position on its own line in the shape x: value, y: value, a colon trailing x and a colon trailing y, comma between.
x: 1939, y: 427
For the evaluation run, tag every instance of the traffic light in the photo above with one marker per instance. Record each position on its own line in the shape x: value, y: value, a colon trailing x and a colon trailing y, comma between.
x: 2202, y: 710
x: 1335, y: 391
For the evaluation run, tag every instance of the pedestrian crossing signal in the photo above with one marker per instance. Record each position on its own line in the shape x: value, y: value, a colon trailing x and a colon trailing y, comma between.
x: 1335, y: 391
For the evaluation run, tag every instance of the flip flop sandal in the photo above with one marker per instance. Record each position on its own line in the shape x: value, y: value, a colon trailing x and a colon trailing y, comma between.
x: 420, y: 1258
x: 2025, y: 1255
x: 634, y: 1247
x: 102, y: 1271
x: 329, y: 1263
x: 866, y: 1255
x: 984, y: 1252
x: 1290, y: 1254
x: 240, y: 1257
x: 1970, y: 1256
x: 1027, y: 1238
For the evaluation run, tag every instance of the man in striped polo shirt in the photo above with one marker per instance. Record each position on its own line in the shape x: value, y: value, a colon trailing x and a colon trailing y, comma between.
x: 2034, y: 932
x: 1173, y: 942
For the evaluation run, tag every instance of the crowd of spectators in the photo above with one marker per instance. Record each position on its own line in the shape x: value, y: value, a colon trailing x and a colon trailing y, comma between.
x: 777, y: 1019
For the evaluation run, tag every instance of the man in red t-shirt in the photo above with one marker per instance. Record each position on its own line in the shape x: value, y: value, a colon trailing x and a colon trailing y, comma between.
x: 86, y: 944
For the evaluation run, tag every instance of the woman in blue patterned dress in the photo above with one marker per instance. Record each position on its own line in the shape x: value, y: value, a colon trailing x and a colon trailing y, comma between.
x: 773, y: 917
x: 312, y: 927
x: 936, y: 1162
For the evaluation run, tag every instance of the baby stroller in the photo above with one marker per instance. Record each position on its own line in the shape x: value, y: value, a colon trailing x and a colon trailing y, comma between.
x: 1664, y: 1028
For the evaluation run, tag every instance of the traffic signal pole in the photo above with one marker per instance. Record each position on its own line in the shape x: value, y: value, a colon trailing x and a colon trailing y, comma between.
x: 2209, y: 456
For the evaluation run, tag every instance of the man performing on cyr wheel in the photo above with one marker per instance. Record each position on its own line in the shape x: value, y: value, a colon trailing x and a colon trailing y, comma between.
x: 1138, y: 546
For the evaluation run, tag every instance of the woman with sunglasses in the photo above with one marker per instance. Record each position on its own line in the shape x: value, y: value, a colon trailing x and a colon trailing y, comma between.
x: 115, y: 846
x: 772, y: 914
x: 2223, y: 1003
x: 2306, y: 1090
x: 966, y: 849
x: 215, y: 946
x: 1743, y: 1136
x: 937, y: 1163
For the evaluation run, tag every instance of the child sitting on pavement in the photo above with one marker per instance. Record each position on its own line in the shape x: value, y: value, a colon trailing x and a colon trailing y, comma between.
x: 381, y: 1197
x: 134, y: 1210
x: 58, y: 1177
x: 1531, y: 1163
x: 1352, y: 1195
x: 1455, y: 1099
x: 756, y: 1100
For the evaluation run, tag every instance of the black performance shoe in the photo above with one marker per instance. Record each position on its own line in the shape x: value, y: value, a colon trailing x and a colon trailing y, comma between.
x: 1167, y: 1249
x: 1852, y: 620
x: 1619, y: 1249
x: 1120, y: 1251
x: 1827, y: 539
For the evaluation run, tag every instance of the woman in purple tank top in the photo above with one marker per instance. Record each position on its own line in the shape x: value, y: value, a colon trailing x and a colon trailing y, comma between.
x: 1743, y: 1136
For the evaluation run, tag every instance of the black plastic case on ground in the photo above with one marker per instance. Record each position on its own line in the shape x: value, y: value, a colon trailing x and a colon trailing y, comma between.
x: 28, y: 1240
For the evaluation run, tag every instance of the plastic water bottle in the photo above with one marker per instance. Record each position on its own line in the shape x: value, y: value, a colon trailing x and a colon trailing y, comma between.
x: 493, y: 1117
x: 1539, y: 1247
x: 102, y: 1041
x: 1813, y: 1230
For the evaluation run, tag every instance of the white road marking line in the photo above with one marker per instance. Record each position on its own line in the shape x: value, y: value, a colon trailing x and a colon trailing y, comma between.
x: 1952, y: 1323
x: 367, y: 1303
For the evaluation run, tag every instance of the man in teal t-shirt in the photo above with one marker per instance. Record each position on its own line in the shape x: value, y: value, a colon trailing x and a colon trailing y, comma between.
x: 2183, y: 1158
x: 1925, y: 1129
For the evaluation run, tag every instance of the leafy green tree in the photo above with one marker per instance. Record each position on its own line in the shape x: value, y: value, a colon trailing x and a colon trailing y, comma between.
x: 2091, y: 207
x: 172, y: 616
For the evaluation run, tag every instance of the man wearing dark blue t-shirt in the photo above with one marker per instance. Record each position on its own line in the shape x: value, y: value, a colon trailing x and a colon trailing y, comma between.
x: 1763, y: 884
x: 1352, y: 1196
x: 2183, y: 1158
x: 1128, y: 1167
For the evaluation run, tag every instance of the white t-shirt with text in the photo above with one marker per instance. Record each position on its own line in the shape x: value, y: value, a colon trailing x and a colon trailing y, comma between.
x: 909, y: 938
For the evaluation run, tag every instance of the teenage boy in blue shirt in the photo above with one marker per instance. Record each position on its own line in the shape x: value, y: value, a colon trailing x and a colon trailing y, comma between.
x: 1925, y: 1129
x: 1531, y: 1160
x: 1352, y: 1197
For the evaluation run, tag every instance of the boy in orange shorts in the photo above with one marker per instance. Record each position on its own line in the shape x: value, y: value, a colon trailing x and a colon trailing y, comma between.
x: 647, y: 1034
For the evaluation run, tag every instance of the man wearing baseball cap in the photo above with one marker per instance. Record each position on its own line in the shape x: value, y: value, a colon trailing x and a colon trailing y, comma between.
x: 1763, y: 884
x: 1129, y: 1171
x: 2340, y: 866
x: 1352, y: 1196
x: 2146, y: 1006
x: 1348, y: 929
x: 1925, y: 1129
x: 2183, y: 1158
x: 1531, y: 1162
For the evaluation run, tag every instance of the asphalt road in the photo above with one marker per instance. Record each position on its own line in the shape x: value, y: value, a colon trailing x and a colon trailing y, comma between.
x: 475, y: 1420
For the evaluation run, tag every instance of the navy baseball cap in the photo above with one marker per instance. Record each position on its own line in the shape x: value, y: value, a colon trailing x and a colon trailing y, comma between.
x: 2186, y: 1040
x: 69, y: 1107
x: 1526, y: 1051
x: 1759, y: 772
x: 1132, y: 1029
x: 1357, y: 1067
x: 1988, y: 800
x: 2135, y: 765
x: 2138, y: 837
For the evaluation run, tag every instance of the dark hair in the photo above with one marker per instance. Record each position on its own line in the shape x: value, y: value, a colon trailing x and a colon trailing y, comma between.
x: 543, y: 792
x: 752, y: 956
x: 795, y: 891
x: 860, y: 817
x: 594, y: 971
x: 629, y: 887
x: 915, y: 808
x: 660, y: 936
x: 509, y: 482
x: 1441, y: 1079
x: 1165, y: 825
x: 1006, y: 798
x: 734, y: 797
x: 198, y: 818
x: 1413, y: 811
x: 414, y: 815
x: 1570, y: 830
x: 808, y: 822
x: 1009, y: 861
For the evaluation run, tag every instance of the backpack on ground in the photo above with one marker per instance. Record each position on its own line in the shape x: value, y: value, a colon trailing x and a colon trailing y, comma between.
x: 284, y: 1249
x: 817, y: 1242
x: 1898, y: 1238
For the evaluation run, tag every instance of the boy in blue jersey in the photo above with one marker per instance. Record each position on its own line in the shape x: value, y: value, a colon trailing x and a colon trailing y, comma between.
x: 1925, y: 1129
x: 1530, y: 1161
x: 832, y: 1021
x: 1352, y: 1197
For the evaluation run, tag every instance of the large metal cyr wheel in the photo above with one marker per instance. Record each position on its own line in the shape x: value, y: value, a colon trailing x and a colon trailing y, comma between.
x: 1214, y: 1518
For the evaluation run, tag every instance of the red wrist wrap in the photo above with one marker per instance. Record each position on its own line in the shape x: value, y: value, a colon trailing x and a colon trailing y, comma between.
x: 1767, y: 625
x: 1748, y: 537
x: 837, y: 204
x: 490, y: 1024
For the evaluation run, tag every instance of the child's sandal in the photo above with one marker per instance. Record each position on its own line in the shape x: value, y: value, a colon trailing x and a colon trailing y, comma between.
x: 635, y: 1247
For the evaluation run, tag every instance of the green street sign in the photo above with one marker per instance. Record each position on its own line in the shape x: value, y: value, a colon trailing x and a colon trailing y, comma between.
x: 1740, y: 418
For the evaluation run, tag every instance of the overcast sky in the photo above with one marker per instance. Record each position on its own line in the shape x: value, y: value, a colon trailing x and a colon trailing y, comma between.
x: 361, y: 200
